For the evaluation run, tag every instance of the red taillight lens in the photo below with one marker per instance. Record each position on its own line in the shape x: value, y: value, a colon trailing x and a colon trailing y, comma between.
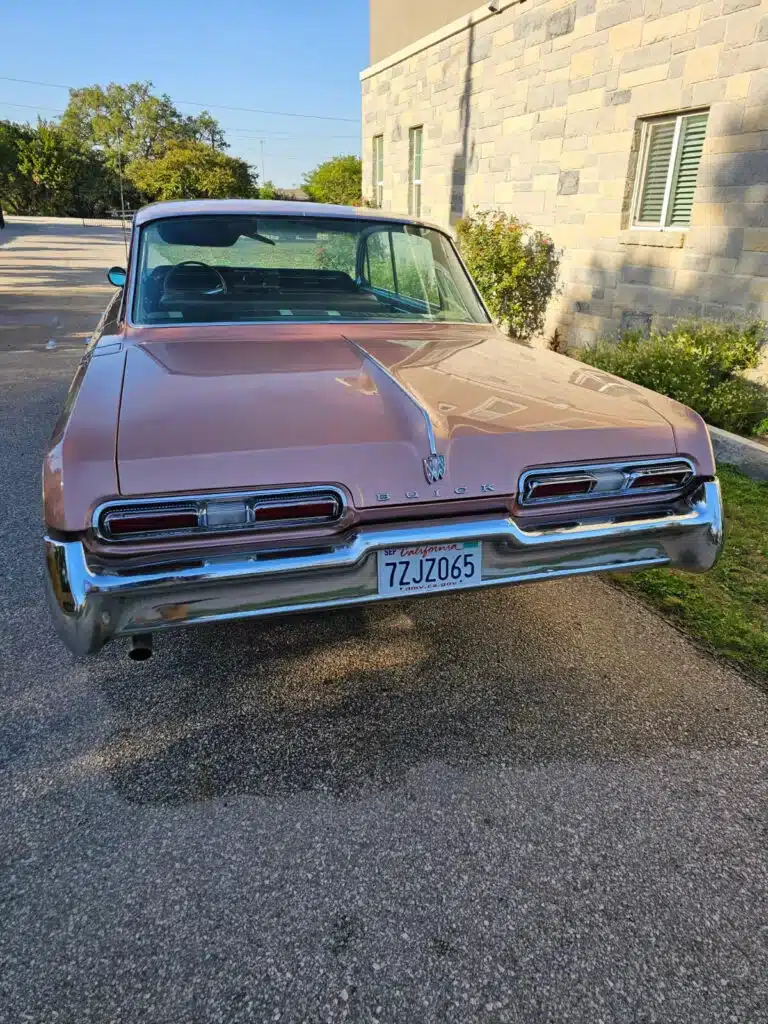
x: 540, y: 486
x: 219, y: 513
x: 275, y: 511
x: 671, y: 478
x: 167, y: 521
x: 541, y: 490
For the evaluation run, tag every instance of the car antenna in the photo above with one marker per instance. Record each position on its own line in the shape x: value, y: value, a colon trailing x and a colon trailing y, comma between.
x: 122, y: 196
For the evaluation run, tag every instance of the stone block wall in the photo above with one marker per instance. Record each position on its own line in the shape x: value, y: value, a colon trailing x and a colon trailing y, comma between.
x: 536, y: 110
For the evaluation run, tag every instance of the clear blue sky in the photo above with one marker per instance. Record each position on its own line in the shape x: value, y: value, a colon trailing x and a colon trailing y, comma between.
x: 299, y: 56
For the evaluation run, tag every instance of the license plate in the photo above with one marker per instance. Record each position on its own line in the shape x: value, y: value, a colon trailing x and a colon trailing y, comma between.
x: 427, y: 567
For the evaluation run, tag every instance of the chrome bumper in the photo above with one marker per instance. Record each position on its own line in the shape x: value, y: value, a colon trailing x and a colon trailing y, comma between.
x: 90, y: 605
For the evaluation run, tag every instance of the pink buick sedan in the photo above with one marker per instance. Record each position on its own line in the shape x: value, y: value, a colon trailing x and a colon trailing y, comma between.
x: 289, y: 406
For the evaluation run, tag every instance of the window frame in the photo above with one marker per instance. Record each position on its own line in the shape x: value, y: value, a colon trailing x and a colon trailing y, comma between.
x: 414, y: 183
x: 378, y: 170
x: 672, y: 171
x: 130, y: 291
x: 410, y: 302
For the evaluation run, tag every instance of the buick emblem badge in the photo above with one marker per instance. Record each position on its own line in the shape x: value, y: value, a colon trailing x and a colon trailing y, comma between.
x: 434, y: 468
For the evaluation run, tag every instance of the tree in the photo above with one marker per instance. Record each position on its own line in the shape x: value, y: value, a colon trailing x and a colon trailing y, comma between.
x: 205, y: 128
x: 44, y: 172
x: 268, y: 191
x: 192, y: 170
x: 130, y: 123
x: 14, y: 185
x: 97, y: 189
x: 49, y: 165
x: 339, y: 180
x: 73, y: 167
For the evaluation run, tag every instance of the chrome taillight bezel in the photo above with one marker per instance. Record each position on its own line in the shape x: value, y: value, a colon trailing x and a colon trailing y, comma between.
x: 110, y: 510
x: 630, y: 472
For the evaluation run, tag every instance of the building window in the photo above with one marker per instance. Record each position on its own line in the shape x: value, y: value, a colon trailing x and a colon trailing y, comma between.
x: 670, y: 155
x: 415, y: 142
x: 378, y: 170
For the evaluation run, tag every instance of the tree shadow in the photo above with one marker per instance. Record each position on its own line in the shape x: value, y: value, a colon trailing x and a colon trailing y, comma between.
x: 59, y: 234
x: 51, y: 283
x: 711, y: 274
x: 341, y: 702
x: 465, y: 154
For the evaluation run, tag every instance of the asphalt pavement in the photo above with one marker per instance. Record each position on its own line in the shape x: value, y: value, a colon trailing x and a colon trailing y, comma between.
x: 538, y: 804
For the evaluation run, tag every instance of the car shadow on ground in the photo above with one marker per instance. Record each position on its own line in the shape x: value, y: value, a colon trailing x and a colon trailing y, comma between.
x: 342, y: 701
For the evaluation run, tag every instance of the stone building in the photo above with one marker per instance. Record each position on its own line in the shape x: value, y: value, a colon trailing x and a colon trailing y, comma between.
x: 635, y: 132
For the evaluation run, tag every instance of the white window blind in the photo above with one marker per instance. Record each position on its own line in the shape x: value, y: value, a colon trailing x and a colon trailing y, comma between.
x: 415, y: 145
x: 378, y: 170
x: 671, y: 156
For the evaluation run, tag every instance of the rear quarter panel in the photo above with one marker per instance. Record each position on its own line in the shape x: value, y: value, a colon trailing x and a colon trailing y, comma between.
x: 79, y: 468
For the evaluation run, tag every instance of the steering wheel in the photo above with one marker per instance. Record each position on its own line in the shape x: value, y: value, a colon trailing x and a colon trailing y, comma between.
x: 220, y: 288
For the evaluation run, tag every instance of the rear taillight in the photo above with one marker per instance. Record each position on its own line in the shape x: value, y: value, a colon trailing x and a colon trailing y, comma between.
x: 154, y: 518
x: 560, y: 487
x: 272, y: 512
x: 577, y: 483
x: 651, y: 478
x: 122, y: 524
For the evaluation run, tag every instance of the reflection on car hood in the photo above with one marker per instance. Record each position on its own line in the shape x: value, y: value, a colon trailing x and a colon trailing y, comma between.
x: 358, y: 406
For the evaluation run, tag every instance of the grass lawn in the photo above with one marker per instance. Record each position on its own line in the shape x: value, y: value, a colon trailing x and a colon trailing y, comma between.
x: 726, y: 609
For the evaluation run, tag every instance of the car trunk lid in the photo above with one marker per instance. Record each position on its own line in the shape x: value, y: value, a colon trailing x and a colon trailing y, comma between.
x: 363, y: 409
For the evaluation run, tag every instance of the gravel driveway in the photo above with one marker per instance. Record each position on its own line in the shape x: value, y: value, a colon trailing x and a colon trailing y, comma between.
x: 533, y: 805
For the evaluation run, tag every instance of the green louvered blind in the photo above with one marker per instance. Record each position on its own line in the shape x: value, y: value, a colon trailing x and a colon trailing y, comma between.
x: 660, y: 142
x: 674, y: 149
x: 693, y: 130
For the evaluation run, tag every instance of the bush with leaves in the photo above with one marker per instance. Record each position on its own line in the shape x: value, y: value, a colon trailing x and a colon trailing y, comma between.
x: 339, y: 180
x: 268, y: 191
x: 698, y: 363
x: 515, y: 267
x: 337, y: 252
x: 192, y: 170
x: 16, y: 187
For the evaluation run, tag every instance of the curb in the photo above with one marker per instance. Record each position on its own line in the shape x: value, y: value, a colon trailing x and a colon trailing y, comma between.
x: 87, y: 222
x: 751, y: 457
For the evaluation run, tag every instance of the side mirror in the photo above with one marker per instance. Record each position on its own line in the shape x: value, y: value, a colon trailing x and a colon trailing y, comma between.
x: 116, y: 276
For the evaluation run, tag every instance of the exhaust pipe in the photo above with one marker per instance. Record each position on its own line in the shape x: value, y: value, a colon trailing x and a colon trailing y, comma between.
x: 140, y: 647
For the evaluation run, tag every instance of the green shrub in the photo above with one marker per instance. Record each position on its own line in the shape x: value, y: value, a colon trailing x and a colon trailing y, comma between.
x: 515, y: 268
x: 339, y: 180
x: 698, y: 364
x: 739, y: 405
x: 268, y: 191
x: 337, y: 252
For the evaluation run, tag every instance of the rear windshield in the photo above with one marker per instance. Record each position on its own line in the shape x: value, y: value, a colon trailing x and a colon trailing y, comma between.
x: 229, y: 269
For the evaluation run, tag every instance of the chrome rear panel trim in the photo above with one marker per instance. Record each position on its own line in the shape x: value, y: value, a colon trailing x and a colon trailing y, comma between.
x: 171, y: 503
x: 631, y: 470
x: 92, y: 604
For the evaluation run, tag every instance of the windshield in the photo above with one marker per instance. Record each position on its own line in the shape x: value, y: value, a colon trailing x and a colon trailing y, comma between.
x: 232, y: 268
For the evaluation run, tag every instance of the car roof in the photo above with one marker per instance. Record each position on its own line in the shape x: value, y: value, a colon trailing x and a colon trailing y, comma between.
x: 271, y: 208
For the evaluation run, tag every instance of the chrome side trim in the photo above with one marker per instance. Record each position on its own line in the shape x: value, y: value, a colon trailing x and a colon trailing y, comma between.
x: 365, y: 354
x: 91, y: 604
x: 295, y: 322
x: 631, y: 468
x: 170, y: 502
